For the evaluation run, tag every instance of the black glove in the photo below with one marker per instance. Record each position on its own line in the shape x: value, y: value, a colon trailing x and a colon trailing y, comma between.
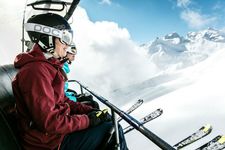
x: 95, y: 118
x: 84, y: 97
x: 88, y: 100
x: 106, y: 116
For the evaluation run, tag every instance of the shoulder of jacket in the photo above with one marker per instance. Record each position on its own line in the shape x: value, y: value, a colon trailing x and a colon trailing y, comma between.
x: 39, y: 66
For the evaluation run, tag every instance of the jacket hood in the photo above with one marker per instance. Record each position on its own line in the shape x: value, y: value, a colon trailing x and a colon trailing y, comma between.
x: 34, y: 55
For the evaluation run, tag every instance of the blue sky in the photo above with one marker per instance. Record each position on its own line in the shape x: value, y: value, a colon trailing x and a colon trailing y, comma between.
x: 147, y: 19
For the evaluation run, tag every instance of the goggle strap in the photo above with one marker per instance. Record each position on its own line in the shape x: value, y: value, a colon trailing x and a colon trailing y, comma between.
x: 43, y: 29
x: 34, y: 27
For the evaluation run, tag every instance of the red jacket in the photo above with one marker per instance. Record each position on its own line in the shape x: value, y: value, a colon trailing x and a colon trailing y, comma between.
x: 45, y: 115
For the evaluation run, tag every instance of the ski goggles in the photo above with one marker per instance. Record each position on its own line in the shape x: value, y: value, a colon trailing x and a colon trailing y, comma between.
x: 65, y: 36
x: 72, y: 49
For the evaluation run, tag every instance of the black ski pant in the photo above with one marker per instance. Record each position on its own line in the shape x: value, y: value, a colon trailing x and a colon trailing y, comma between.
x: 92, y: 139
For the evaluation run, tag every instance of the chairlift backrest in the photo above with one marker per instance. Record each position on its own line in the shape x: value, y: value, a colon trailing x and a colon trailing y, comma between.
x: 8, y: 138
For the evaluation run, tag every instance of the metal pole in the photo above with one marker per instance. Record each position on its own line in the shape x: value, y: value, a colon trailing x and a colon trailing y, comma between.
x: 81, y: 89
x: 117, y: 146
x: 132, y: 121
x: 24, y: 13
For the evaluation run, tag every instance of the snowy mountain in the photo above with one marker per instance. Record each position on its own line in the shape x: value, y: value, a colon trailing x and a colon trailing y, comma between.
x: 210, y: 34
x: 190, y: 95
x: 189, y: 86
x: 173, y: 55
x: 176, y: 52
x: 187, y: 108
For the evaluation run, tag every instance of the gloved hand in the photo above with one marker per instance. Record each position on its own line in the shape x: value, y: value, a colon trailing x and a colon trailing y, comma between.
x: 106, y: 116
x: 84, y: 97
x: 87, y: 99
x: 95, y: 118
x: 91, y: 103
x: 98, y: 116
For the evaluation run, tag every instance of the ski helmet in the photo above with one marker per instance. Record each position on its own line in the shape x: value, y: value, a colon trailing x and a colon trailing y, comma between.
x: 44, y: 28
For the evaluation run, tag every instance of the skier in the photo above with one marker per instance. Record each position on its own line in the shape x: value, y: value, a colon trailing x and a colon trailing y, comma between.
x: 71, y: 94
x: 70, y: 56
x: 47, y: 119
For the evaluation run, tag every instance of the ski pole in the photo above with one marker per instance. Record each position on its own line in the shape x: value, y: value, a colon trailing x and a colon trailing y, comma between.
x: 132, y: 121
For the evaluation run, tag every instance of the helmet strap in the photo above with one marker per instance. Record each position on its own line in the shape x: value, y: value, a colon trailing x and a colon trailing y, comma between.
x: 50, y: 49
x: 50, y: 41
x: 42, y: 45
x: 69, y: 62
x: 47, y: 44
x: 64, y: 59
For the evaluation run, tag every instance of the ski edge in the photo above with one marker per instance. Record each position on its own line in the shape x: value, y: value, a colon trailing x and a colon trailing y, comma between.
x: 206, y: 129
x: 145, y: 119
x: 215, y: 143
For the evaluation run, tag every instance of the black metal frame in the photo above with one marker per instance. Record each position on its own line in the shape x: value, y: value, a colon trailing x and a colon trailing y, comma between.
x: 35, y: 4
x: 129, y: 119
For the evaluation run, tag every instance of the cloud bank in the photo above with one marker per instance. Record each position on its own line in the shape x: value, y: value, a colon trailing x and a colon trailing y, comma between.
x: 107, y: 57
x: 11, y: 30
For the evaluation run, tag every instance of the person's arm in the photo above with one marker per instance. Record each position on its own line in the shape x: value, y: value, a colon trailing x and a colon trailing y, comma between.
x: 49, y: 114
x: 79, y: 108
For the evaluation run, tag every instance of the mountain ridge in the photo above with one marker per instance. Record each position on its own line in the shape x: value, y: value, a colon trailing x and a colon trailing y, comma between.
x: 173, y: 51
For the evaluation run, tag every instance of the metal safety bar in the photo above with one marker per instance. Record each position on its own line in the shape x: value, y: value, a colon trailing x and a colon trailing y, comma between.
x: 130, y: 120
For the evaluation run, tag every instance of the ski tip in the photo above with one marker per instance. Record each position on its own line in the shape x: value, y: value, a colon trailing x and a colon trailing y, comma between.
x: 222, y: 139
x: 140, y: 100
x: 202, y: 132
x: 160, y: 109
x: 217, y: 143
x: 207, y: 128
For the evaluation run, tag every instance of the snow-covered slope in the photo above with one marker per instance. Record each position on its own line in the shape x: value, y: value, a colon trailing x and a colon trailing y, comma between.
x: 201, y: 99
x: 173, y: 55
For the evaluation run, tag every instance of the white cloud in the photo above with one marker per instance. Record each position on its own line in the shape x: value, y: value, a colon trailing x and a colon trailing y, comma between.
x: 192, y: 16
x: 183, y: 3
x: 107, y: 57
x: 10, y: 29
x: 108, y: 2
x: 196, y: 20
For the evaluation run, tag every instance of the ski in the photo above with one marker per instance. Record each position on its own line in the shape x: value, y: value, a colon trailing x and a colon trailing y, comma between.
x: 202, y: 132
x: 218, y: 143
x: 133, y: 107
x: 145, y: 119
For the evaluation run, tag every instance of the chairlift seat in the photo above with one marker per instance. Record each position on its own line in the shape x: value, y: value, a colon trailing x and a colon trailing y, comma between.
x: 8, y: 138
